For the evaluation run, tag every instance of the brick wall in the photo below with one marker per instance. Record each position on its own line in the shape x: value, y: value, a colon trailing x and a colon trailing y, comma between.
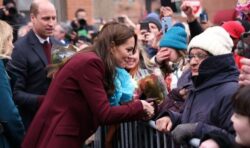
x: 212, y: 6
x: 135, y: 10
x: 108, y: 9
x: 73, y: 5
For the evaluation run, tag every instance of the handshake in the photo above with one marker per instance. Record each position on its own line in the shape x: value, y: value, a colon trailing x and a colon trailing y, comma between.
x: 148, y: 109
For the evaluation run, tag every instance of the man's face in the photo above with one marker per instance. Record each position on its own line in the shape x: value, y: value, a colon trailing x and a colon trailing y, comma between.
x: 153, y: 28
x: 59, y: 33
x: 45, y: 20
x: 81, y: 15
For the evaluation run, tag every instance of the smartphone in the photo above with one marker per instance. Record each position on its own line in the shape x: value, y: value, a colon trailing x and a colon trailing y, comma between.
x: 244, y: 45
x: 144, y: 26
x: 203, y: 17
x: 170, y: 3
x: 166, y: 23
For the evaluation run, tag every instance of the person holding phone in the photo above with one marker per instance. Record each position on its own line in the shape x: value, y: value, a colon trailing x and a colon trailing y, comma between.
x: 167, y: 20
x: 150, y: 28
x: 154, y: 24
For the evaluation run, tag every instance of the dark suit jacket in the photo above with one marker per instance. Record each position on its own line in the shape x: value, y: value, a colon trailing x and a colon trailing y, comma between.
x: 75, y: 105
x: 28, y: 75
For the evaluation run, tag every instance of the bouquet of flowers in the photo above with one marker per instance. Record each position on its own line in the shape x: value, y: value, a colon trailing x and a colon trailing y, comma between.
x: 60, y: 54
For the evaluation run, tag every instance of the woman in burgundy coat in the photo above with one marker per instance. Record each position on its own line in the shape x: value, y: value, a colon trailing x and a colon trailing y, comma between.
x: 77, y: 100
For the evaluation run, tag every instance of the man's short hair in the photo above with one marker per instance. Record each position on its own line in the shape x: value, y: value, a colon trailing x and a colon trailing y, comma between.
x: 79, y: 10
x: 34, y: 8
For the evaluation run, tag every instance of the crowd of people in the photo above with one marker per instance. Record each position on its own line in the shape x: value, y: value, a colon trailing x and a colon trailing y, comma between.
x: 201, y: 88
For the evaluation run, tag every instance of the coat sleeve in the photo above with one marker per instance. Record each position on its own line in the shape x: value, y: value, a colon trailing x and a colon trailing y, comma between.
x: 202, y: 129
x: 17, y: 68
x: 174, y: 116
x: 9, y: 116
x: 195, y: 28
x: 91, y: 83
x: 221, y: 139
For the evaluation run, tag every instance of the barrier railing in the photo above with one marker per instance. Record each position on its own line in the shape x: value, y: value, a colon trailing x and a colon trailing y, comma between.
x: 137, y: 135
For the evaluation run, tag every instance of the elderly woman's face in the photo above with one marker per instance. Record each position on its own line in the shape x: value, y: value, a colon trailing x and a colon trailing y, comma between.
x: 196, y: 57
x: 122, y: 53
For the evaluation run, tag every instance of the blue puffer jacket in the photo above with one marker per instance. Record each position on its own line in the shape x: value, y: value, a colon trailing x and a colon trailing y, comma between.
x: 209, y: 102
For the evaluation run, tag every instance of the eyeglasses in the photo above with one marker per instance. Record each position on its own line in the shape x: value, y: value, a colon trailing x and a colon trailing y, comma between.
x: 198, y: 56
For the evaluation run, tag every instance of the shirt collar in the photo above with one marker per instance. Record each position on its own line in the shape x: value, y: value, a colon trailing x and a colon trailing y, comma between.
x: 41, y: 40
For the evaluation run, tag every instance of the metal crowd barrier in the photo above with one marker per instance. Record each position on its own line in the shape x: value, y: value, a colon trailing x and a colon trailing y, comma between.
x: 137, y: 135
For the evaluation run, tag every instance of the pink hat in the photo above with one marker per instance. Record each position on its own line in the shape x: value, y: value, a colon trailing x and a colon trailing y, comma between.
x: 234, y: 28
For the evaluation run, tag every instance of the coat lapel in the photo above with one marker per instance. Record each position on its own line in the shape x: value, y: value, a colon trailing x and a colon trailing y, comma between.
x: 37, y: 47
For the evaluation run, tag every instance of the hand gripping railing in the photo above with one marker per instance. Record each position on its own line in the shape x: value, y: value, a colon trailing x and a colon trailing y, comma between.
x: 137, y: 134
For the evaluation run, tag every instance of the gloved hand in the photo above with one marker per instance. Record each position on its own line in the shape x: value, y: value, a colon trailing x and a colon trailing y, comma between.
x: 184, y: 132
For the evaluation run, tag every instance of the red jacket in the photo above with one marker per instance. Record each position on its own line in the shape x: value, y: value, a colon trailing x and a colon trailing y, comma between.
x: 75, y: 105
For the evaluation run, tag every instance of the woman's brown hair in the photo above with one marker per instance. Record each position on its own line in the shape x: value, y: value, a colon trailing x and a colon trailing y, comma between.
x: 112, y: 34
x: 241, y: 101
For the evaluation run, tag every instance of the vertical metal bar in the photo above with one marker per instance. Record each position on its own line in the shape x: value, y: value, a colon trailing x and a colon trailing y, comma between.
x: 130, y: 134
x: 151, y: 134
x: 145, y: 136
x: 172, y: 141
x: 165, y: 142
x: 117, y: 138
x: 122, y: 135
x: 157, y: 139
x: 134, y: 135
x: 136, y: 131
x: 126, y: 134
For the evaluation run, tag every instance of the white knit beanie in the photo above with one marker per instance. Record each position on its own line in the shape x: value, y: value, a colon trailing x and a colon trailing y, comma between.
x: 214, y: 40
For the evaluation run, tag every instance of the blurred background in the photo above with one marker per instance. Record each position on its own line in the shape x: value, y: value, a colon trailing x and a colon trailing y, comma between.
x: 107, y: 9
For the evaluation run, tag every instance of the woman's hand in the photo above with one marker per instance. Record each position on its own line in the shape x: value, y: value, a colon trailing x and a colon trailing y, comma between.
x: 148, y: 108
x: 162, y: 55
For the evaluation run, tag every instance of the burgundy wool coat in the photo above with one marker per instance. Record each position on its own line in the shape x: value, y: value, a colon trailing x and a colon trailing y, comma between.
x: 75, y: 105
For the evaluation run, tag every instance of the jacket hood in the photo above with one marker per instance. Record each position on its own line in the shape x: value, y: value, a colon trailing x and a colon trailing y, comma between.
x: 216, y: 70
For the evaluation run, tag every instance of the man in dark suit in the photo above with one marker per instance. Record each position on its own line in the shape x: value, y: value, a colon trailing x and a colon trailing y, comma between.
x: 30, y: 58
